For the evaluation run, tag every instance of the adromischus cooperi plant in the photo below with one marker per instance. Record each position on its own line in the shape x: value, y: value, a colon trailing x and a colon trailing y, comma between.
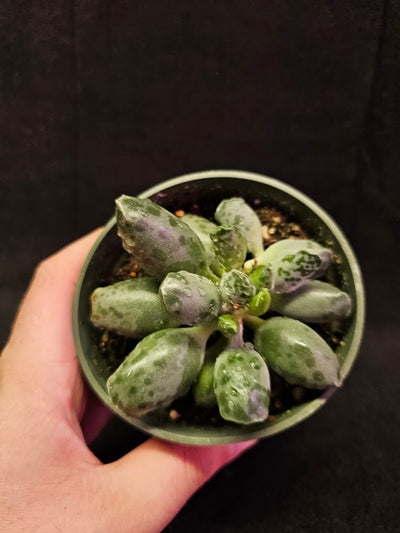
x: 197, y: 294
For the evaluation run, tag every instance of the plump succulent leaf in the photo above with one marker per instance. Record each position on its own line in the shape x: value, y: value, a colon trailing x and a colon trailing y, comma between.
x: 189, y: 298
x: 236, y: 289
x: 314, y: 302
x: 292, y: 261
x: 227, y: 325
x: 297, y: 353
x: 260, y: 303
x: 242, y: 386
x: 230, y: 248
x: 236, y: 212
x: 293, y: 270
x: 203, y: 388
x: 261, y: 276
x: 202, y: 228
x: 285, y: 247
x: 159, y: 241
x: 132, y: 308
x: 161, y: 368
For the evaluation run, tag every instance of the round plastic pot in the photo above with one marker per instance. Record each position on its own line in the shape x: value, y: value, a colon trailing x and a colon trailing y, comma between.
x: 206, y: 189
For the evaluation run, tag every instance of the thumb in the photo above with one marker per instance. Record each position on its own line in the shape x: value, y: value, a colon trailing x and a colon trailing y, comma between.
x: 154, y: 481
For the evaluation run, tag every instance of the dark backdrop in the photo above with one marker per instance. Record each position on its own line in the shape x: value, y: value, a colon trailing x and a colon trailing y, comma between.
x: 107, y: 97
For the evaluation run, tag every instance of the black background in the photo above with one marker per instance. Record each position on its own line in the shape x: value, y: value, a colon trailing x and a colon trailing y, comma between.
x: 101, y: 98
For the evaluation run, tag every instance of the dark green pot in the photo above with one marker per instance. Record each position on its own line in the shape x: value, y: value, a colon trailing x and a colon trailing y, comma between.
x: 207, y: 189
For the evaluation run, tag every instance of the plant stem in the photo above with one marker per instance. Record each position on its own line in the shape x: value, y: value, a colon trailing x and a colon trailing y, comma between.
x: 253, y: 322
x: 236, y: 341
x: 203, y: 331
x: 211, y: 276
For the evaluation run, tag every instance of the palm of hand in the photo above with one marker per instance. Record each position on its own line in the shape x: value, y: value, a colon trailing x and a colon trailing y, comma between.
x: 49, y: 479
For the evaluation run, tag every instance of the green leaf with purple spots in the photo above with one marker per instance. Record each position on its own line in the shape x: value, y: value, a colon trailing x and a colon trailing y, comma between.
x: 236, y: 212
x: 230, y: 248
x: 236, y: 289
x: 189, y: 298
x: 297, y: 353
x: 161, y: 368
x: 314, y: 302
x: 292, y: 262
x: 202, y: 228
x: 242, y: 386
x: 132, y: 308
x: 159, y: 241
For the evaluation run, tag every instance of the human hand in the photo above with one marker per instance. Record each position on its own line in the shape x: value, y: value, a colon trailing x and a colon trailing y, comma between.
x: 49, y: 479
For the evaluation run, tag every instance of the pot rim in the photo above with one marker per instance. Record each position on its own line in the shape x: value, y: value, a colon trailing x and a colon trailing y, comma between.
x: 298, y: 413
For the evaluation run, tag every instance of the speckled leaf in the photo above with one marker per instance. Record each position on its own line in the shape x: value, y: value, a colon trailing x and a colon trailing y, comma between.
x: 292, y: 261
x: 236, y: 212
x: 315, y: 302
x: 287, y: 247
x: 161, y: 368
x: 260, y: 303
x: 132, y: 308
x: 293, y: 270
x: 297, y: 353
x: 242, y: 386
x: 230, y: 248
x: 190, y: 298
x: 261, y: 276
x: 159, y: 241
x: 202, y: 228
x: 227, y: 325
x: 236, y: 289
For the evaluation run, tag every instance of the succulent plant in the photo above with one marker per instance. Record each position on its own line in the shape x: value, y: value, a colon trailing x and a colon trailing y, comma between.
x: 205, y: 287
